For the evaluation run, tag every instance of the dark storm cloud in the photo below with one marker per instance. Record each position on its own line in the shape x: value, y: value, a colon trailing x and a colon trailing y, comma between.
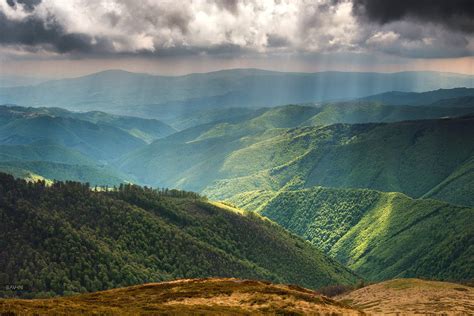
x: 28, y: 5
x: 416, y: 28
x: 229, y: 5
x: 33, y: 31
x: 275, y: 40
x: 456, y: 15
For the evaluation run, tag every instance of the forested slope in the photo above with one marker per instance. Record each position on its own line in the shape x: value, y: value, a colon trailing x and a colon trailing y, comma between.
x: 67, y: 238
x: 411, y: 157
x: 379, y: 235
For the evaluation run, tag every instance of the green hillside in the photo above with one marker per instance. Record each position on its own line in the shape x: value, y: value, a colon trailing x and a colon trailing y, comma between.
x: 379, y: 235
x: 66, y: 238
x: 411, y: 157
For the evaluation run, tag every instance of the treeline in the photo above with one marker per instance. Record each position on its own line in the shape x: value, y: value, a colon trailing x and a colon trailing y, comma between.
x: 67, y: 238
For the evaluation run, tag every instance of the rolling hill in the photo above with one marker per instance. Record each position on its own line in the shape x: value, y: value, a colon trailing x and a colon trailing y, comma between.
x: 54, y: 143
x: 101, y: 142
x: 411, y: 157
x: 273, y: 149
x: 66, y: 238
x: 145, y: 129
x: 166, y: 98
x: 377, y: 234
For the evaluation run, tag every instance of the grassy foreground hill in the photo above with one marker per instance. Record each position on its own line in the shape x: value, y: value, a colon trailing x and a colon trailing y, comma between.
x: 379, y: 235
x: 412, y: 297
x: 66, y: 238
x: 189, y: 297
x: 250, y: 297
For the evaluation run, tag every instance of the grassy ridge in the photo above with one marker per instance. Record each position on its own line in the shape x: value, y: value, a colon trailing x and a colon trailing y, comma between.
x: 189, y: 297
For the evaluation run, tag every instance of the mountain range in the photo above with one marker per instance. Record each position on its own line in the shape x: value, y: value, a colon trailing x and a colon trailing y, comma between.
x: 168, y: 98
x: 375, y: 187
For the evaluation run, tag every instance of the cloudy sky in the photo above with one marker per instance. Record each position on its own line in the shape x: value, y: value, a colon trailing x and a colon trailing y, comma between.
x: 75, y: 37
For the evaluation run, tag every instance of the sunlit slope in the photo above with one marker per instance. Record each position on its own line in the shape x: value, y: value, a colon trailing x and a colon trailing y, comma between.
x: 67, y: 238
x: 189, y: 297
x: 379, y: 235
x: 272, y: 148
x: 411, y: 157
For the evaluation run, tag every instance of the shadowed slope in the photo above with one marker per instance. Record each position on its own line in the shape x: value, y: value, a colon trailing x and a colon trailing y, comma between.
x: 67, y: 239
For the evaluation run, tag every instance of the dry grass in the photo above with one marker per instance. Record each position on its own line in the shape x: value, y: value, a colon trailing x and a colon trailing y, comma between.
x: 413, y: 296
x: 196, y: 296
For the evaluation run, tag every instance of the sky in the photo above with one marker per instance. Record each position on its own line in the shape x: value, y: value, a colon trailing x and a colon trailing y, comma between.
x: 56, y: 38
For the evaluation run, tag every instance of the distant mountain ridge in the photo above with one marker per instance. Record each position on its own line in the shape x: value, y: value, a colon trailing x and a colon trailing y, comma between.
x: 165, y: 98
x: 58, y: 144
x: 440, y: 97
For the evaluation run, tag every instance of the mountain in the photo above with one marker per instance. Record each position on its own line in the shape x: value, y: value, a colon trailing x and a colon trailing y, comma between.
x: 425, y: 98
x: 274, y: 149
x: 190, y: 297
x: 412, y: 157
x: 66, y: 238
x: 167, y: 98
x: 377, y: 234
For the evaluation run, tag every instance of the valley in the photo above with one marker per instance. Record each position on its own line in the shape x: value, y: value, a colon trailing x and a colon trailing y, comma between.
x: 322, y: 194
